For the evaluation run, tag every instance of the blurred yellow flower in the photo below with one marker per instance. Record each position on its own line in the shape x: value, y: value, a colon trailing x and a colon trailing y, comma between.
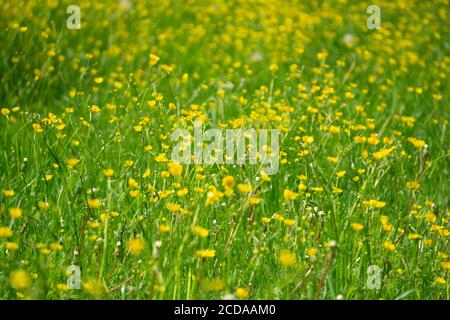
x: 164, y: 228
x: 108, y: 172
x: 175, y: 169
x: 289, y: 195
x: 72, y: 162
x: 136, y: 245
x: 12, y: 246
x: 43, y: 205
x: 286, y: 258
x: 201, y: 232
x: 311, y: 252
x: 153, y: 59
x: 228, y: 182
x: 5, y: 232
x: 389, y: 246
x: 372, y: 203
x: 357, y: 226
x: 94, y: 203
x: 8, y: 193
x: 20, y: 279
x: 15, y: 213
x: 242, y: 293
x: 412, y: 185
x: 133, y: 183
x: 245, y: 188
x: 205, y: 253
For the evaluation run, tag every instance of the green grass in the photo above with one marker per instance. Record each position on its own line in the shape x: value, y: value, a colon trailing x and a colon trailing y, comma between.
x: 298, y: 70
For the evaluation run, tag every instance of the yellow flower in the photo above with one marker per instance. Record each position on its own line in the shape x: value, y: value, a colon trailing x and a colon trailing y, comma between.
x: 173, y: 207
x: 357, y: 227
x: 72, y: 162
x: 278, y: 217
x: 321, y: 56
x: 382, y: 153
x: 214, y: 285
x: 182, y: 192
x: 95, y: 109
x: 201, y: 232
x: 108, y: 172
x: 94, y: 203
x: 8, y: 193
x: 412, y: 185
x: 446, y: 265
x: 134, y: 193
x: 417, y: 143
x: 289, y: 195
x: 337, y: 190
x: 245, y: 188
x: 265, y: 220
x: 213, y: 196
x: 98, y: 80
x: 286, y: 258
x: 153, y: 59
x: 372, y: 203
x: 161, y: 158
x: 37, y: 127
x: 133, y: 183
x: 389, y: 246
x: 165, y: 174
x: 308, y: 139
x: 12, y: 246
x: 136, y: 245
x: 334, y: 129
x: 205, y: 253
x: 175, y: 169
x: 431, y: 217
x: 146, y: 173
x: 15, y: 213
x: 44, y: 251
x: 94, y: 287
x: 332, y: 159
x: 340, y: 173
x: 62, y: 287
x: 43, y: 205
x: 129, y: 163
x: 440, y: 280
x: 273, y: 67
x: 254, y: 200
x: 241, y: 293
x: 115, y: 214
x: 265, y: 177
x: 5, y: 232
x: 20, y: 279
x: 373, y: 139
x: 289, y: 222
x: 164, y: 228
x: 228, y: 182
x: 55, y: 246
x: 311, y: 252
